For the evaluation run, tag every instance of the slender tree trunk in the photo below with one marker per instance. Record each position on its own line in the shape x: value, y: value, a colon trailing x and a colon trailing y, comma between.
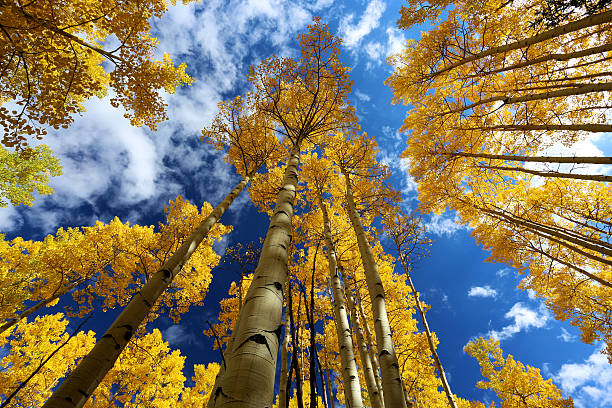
x: 549, y: 57
x: 313, y: 344
x: 508, y: 100
x: 330, y: 391
x: 251, y: 361
x: 10, y: 323
x: 585, y: 22
x: 576, y: 176
x: 541, y: 159
x: 282, y: 386
x: 370, y: 344
x: 586, y: 127
x: 531, y: 227
x: 83, y: 380
x: 389, y: 366
x: 432, y: 347
x: 366, y: 362
x: 350, y: 376
x: 322, y: 378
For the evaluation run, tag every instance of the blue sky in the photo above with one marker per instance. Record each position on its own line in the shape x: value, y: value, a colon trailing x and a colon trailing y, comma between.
x: 113, y: 169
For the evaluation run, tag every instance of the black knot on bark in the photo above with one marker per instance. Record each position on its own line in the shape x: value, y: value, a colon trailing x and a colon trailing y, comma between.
x: 380, y: 295
x: 395, y: 365
x: 128, y: 331
x: 384, y: 352
x: 278, y: 286
x: 277, y: 332
x: 166, y: 273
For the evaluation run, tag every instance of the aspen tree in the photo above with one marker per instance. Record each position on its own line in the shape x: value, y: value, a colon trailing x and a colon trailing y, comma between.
x: 52, y: 62
x: 495, y: 98
x: 408, y: 236
x: 83, y: 380
x: 303, y: 101
x: 357, y: 156
x: 101, y: 265
x: 27, y: 345
x: 514, y: 383
x: 352, y: 388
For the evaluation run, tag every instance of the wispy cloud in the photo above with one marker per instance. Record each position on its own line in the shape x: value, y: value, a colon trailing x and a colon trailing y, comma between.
x: 566, y: 336
x: 352, y: 33
x: 482, y: 291
x: 588, y: 382
x: 524, y: 319
x: 445, y: 224
x: 176, y: 335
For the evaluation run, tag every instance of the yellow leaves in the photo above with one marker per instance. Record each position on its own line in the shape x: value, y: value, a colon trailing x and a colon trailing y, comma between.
x: 106, y: 263
x: 27, y: 345
x: 147, y: 374
x: 22, y: 173
x: 51, y: 70
x: 514, y: 383
x: 204, y: 379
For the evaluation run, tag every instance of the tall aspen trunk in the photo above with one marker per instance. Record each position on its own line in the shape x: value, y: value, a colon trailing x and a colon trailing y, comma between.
x: 350, y: 376
x: 586, y: 127
x: 370, y: 344
x: 585, y: 22
x: 552, y: 57
x: 282, y: 386
x: 550, y: 235
x: 391, y: 378
x: 83, y: 380
x: 507, y: 100
x: 432, y: 347
x: 540, y: 159
x: 554, y: 174
x: 10, y: 323
x: 330, y: 391
x: 366, y: 362
x: 248, y: 380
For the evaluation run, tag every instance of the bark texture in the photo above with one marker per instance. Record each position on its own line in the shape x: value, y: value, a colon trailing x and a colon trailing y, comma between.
x: 282, y: 386
x: 391, y: 378
x: 83, y: 380
x: 538, y: 159
x: 370, y: 344
x: 585, y: 22
x: 364, y: 356
x: 248, y: 380
x: 350, y: 377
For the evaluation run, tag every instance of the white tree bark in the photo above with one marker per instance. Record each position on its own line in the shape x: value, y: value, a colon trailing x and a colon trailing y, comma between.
x: 350, y: 376
x: 282, y: 386
x: 370, y: 343
x: 248, y: 380
x: 366, y: 362
x: 391, y: 378
x: 83, y: 380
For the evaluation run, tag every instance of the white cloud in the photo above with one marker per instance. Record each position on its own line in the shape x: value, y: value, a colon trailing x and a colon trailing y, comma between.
x: 524, y: 319
x: 480, y: 291
x: 566, y: 336
x: 104, y: 156
x: 589, y: 383
x: 361, y: 96
x: 10, y: 219
x: 503, y: 272
x: 396, y: 41
x: 444, y: 224
x: 176, y: 335
x: 351, y: 33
